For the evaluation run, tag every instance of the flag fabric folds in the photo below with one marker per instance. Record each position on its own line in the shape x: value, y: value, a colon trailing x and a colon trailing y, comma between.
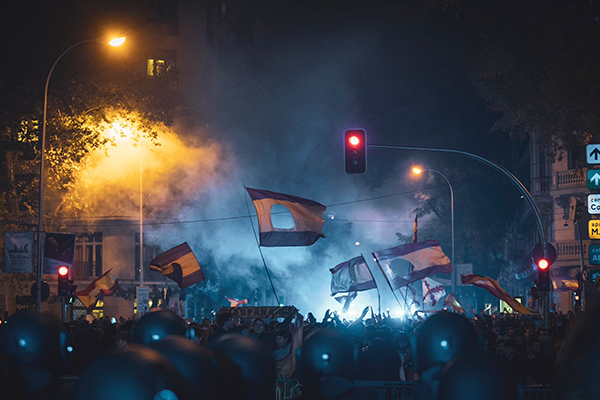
x: 179, y: 264
x: 350, y: 277
x: 236, y: 302
x: 452, y: 302
x: 307, y: 214
x: 492, y: 286
x: 353, y: 275
x: 433, y: 291
x: 104, y: 285
x: 562, y: 284
x: 426, y: 257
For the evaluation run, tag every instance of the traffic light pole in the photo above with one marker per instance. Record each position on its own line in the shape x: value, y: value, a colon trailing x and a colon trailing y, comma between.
x: 501, y: 169
x: 581, y: 265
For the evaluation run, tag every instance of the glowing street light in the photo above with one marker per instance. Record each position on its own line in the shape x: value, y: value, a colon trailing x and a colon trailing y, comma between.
x: 418, y: 171
x: 40, y: 263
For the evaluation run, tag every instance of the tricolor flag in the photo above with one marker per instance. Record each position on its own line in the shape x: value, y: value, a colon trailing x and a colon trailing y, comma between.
x: 236, y: 302
x: 433, y: 291
x: 179, y: 264
x: 492, y: 286
x: 307, y: 214
x: 350, y: 277
x: 427, y: 259
x: 562, y: 284
x: 452, y: 302
x: 104, y: 285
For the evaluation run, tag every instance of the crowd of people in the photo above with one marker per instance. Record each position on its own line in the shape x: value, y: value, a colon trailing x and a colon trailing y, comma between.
x: 161, y: 356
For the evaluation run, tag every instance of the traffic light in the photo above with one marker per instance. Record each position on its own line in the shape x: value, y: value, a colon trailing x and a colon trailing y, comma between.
x: 543, y: 265
x: 64, y: 285
x: 355, y: 151
x: 576, y: 208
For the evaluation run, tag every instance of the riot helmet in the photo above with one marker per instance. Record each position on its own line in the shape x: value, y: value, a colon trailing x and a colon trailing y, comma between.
x: 157, y: 325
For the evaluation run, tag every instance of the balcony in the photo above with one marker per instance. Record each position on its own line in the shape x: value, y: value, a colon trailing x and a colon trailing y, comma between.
x: 569, y: 251
x: 541, y: 186
x: 572, y: 178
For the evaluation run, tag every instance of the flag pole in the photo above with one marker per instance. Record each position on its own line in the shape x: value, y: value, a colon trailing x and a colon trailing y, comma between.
x: 386, y: 278
x: 260, y: 250
x: 376, y: 287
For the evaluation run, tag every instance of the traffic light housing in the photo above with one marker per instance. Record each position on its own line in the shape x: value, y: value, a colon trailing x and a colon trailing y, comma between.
x: 576, y: 209
x: 64, y: 284
x: 355, y: 151
x: 543, y: 265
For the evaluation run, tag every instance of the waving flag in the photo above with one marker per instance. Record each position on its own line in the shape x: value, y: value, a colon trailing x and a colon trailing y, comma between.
x: 104, y: 285
x: 350, y: 277
x: 236, y: 302
x: 307, y: 214
x: 492, y: 286
x: 564, y: 284
x: 179, y: 264
x: 452, y: 302
x: 433, y: 291
x: 427, y: 259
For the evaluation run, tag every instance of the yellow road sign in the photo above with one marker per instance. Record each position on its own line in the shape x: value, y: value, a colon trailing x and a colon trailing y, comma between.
x: 594, y: 228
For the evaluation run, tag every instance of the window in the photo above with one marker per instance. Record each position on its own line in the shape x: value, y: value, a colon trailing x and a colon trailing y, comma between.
x: 88, y: 255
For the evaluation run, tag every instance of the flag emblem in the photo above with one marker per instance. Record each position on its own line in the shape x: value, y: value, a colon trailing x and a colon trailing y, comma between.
x: 179, y: 264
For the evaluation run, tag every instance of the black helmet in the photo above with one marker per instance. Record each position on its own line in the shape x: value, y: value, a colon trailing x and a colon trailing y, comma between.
x: 139, y: 373
x: 440, y: 338
x: 33, y: 348
x: 475, y: 375
x: 193, y: 362
x: 157, y: 325
x: 254, y: 360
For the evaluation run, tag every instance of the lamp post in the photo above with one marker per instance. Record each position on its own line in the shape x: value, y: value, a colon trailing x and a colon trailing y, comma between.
x: 418, y: 171
x: 40, y: 261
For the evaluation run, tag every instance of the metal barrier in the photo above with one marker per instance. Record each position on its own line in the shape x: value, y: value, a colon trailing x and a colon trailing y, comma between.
x: 290, y: 388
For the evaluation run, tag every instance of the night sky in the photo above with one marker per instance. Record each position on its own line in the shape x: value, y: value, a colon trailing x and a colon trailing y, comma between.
x: 403, y: 72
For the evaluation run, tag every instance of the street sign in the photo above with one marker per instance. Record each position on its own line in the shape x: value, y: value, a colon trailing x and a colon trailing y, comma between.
x: 594, y: 228
x: 594, y: 252
x: 592, y: 151
x: 593, y: 179
x: 143, y: 299
x: 594, y: 203
x: 593, y: 275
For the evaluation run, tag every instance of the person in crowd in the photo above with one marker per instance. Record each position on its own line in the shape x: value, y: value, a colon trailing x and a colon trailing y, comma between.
x: 121, y: 340
x: 226, y: 323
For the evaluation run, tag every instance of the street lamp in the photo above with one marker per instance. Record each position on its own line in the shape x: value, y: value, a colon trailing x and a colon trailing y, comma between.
x: 418, y: 171
x: 40, y: 263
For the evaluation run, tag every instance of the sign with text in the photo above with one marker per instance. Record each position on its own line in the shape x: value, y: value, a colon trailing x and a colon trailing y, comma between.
x: 593, y: 179
x: 142, y: 295
x: 18, y: 252
x: 594, y: 203
x: 59, y: 249
x: 594, y: 228
x: 259, y: 312
x: 592, y: 152
x: 594, y: 253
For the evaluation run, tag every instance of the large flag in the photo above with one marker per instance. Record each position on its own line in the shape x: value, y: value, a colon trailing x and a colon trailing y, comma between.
x: 426, y: 257
x: 179, y: 264
x: 452, y: 302
x: 350, y: 277
x: 104, y: 285
x: 307, y: 214
x: 492, y: 286
x: 433, y: 291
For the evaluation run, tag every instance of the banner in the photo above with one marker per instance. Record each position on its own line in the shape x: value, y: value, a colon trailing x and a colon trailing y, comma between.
x: 19, y: 252
x: 259, y: 312
x: 59, y: 249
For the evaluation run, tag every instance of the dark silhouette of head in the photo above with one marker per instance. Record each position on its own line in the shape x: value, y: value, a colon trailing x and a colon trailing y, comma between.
x: 194, y: 363
x: 327, y: 364
x: 254, y: 360
x: 157, y: 325
x: 440, y: 338
x: 33, y: 350
x: 140, y: 373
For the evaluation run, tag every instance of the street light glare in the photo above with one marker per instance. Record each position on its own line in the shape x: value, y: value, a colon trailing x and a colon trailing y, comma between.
x: 417, y: 170
x: 117, y: 42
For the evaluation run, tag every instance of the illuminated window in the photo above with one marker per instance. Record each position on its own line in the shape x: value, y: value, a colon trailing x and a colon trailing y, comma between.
x: 157, y: 66
x: 88, y: 255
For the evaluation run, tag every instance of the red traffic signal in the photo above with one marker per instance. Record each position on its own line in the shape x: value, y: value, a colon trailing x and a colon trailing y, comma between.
x: 355, y: 151
x: 543, y: 264
x: 63, y: 281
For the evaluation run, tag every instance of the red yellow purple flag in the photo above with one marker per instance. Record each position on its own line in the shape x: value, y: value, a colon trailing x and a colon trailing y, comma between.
x: 492, y: 286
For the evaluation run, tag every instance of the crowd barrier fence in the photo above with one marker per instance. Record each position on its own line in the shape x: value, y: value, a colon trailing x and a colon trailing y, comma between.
x: 290, y: 388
